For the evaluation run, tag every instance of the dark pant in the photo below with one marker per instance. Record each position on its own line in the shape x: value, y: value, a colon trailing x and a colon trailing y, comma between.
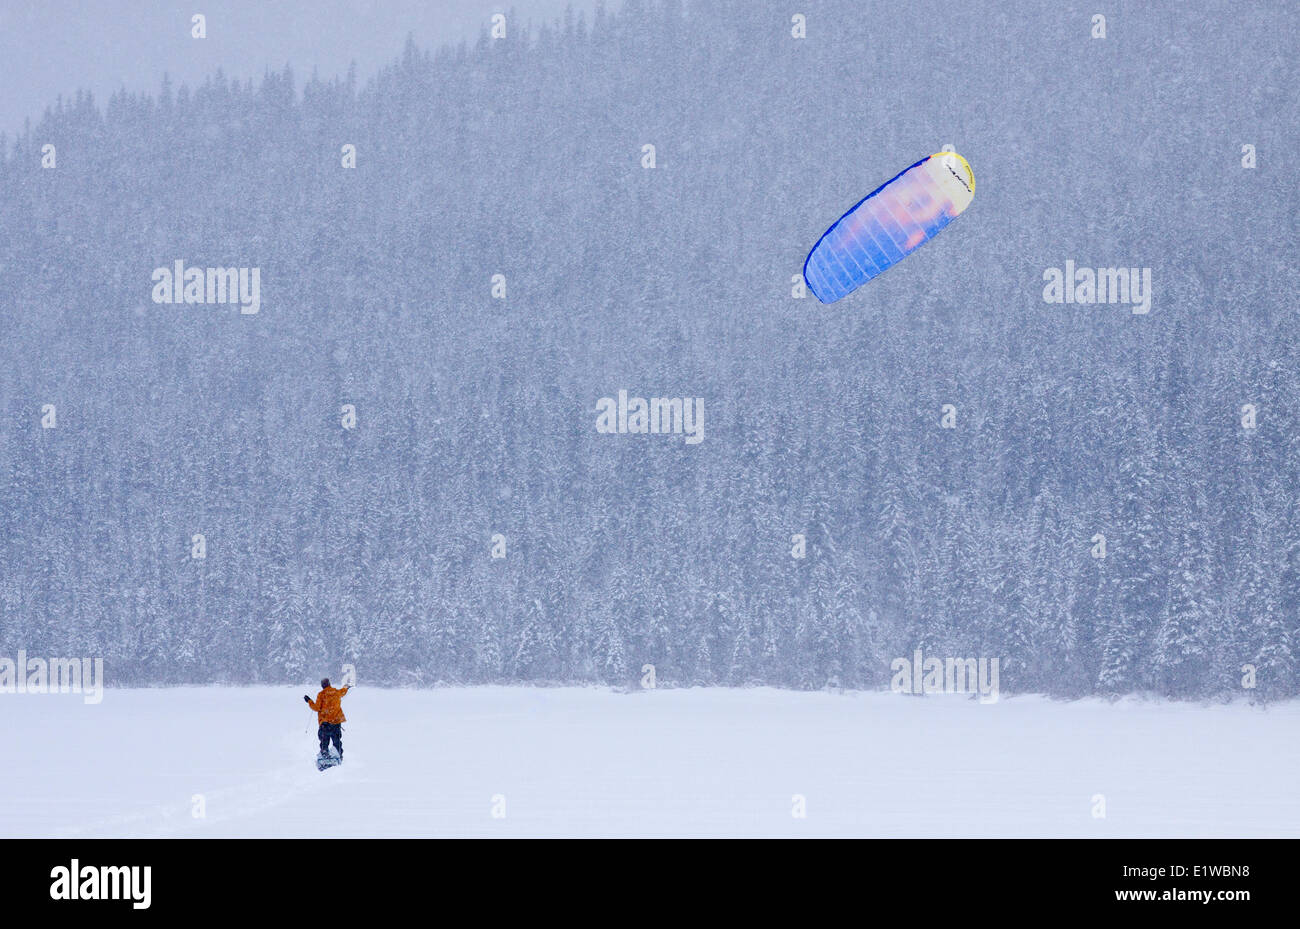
x: 328, y: 731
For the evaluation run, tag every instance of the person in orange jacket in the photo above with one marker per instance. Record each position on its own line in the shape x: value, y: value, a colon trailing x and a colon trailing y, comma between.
x: 329, y: 713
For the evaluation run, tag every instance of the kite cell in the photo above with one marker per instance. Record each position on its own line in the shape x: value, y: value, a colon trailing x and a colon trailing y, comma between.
x: 887, y: 225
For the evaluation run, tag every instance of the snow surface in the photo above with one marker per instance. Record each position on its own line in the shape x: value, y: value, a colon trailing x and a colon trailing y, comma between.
x: 695, y: 762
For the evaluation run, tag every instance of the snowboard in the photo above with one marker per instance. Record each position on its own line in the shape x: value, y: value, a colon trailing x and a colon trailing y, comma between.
x: 324, y: 762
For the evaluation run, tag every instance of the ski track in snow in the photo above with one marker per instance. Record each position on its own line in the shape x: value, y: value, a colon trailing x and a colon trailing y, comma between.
x: 696, y: 762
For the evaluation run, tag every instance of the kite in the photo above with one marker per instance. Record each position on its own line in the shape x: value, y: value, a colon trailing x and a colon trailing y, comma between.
x: 888, y: 224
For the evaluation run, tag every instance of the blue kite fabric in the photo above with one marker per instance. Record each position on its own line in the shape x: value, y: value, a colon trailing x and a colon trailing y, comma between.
x: 888, y: 224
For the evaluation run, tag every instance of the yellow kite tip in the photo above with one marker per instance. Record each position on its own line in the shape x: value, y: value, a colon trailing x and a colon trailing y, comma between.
x: 964, y: 163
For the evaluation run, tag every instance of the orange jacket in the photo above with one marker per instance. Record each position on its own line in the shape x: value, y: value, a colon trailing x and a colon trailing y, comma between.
x: 329, y: 706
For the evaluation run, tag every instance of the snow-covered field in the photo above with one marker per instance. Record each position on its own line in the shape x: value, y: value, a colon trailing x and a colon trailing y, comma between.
x: 590, y: 762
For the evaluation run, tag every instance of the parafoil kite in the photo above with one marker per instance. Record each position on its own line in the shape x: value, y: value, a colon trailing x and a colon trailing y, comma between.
x: 888, y: 224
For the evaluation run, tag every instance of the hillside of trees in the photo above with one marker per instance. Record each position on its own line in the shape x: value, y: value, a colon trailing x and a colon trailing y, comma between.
x: 523, y: 157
